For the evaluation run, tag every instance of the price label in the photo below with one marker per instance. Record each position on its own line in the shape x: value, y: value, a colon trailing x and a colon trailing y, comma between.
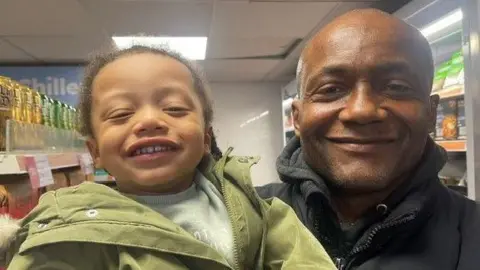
x: 39, y: 171
x: 86, y: 163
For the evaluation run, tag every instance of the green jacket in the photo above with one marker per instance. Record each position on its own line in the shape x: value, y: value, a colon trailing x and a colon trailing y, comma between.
x: 92, y: 226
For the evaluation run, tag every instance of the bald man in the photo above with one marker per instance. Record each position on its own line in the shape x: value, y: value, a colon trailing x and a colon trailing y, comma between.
x: 362, y: 171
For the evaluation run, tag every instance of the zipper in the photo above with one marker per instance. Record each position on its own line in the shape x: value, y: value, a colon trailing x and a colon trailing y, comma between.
x: 344, y: 263
x: 340, y: 263
x: 368, y: 242
x: 234, y: 228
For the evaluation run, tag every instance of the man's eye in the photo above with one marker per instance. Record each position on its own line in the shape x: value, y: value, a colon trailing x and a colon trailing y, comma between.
x: 398, y: 88
x: 329, y: 92
x: 332, y: 90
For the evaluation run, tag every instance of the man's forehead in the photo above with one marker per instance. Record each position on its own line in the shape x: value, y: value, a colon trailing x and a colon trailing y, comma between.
x: 347, y: 44
x: 359, y: 55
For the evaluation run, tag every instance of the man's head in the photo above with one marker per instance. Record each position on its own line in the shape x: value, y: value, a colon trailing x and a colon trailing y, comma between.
x: 365, y: 109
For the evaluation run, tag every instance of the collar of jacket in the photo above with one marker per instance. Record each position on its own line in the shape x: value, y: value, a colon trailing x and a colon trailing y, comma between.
x: 413, y: 197
x: 235, y: 169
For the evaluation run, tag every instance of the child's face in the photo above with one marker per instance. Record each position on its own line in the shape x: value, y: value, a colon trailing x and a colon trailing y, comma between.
x: 148, y: 124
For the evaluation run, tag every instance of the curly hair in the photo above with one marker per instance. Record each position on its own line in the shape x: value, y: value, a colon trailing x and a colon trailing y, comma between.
x: 200, y: 84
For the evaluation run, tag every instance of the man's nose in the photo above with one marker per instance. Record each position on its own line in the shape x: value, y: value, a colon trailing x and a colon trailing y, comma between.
x: 363, y: 106
x: 149, y: 120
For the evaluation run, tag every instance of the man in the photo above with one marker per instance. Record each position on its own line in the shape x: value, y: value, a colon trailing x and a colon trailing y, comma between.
x: 362, y: 171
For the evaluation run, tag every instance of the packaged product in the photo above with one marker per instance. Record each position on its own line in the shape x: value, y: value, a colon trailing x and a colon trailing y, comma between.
x: 462, y: 128
x: 455, y: 74
x: 440, y: 76
x: 449, y: 123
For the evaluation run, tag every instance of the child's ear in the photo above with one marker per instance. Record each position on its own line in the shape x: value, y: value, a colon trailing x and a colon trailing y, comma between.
x: 208, y: 140
x: 93, y: 149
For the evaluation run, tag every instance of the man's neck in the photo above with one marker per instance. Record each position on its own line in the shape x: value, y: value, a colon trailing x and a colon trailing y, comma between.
x: 351, y: 207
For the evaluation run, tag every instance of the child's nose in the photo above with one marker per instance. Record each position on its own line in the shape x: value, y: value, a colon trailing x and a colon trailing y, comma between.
x: 149, y: 122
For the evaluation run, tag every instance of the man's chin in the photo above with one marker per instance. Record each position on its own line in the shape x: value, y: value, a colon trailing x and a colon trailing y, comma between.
x: 358, y: 184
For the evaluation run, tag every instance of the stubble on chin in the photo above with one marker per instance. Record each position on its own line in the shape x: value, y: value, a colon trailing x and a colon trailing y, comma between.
x: 347, y: 175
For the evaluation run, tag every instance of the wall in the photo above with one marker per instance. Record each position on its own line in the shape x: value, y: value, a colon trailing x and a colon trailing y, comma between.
x: 248, y: 117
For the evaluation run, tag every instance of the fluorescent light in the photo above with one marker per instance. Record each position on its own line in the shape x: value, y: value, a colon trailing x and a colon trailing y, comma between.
x: 193, y: 48
x: 265, y: 113
x: 454, y: 17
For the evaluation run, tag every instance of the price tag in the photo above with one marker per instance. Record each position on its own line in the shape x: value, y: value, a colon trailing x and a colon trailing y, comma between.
x: 39, y: 171
x: 86, y: 163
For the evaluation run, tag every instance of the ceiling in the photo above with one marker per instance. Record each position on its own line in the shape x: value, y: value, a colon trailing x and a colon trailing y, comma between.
x: 256, y: 40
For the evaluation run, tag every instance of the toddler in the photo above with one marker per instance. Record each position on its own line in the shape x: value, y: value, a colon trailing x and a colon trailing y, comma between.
x: 147, y: 115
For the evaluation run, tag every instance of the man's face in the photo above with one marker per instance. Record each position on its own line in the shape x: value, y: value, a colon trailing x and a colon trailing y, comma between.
x: 366, y: 113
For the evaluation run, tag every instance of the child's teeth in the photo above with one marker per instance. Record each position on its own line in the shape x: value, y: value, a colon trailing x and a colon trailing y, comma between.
x: 152, y: 149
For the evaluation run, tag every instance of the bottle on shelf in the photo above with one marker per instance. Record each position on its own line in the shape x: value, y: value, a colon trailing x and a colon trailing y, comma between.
x: 45, y: 110
x: 28, y: 107
x: 37, y: 108
x: 6, y: 108
x: 18, y: 104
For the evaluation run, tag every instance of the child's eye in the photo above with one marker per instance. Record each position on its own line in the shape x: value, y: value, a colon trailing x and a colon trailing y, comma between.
x: 119, y: 115
x: 176, y: 110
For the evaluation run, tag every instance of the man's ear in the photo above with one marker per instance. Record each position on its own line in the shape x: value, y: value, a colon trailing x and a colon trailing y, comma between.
x: 296, y: 108
x: 434, y: 100
x: 94, y: 152
x: 208, y: 140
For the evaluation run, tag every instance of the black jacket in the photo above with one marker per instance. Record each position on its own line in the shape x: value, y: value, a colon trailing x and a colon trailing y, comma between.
x: 422, y: 225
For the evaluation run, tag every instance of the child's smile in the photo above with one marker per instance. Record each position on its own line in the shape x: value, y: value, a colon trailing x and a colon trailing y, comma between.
x: 155, y: 150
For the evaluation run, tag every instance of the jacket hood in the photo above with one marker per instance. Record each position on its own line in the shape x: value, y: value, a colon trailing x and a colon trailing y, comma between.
x: 8, y: 229
x: 293, y: 169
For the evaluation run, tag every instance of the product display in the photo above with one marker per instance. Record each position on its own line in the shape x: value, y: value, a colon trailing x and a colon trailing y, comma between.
x: 449, y: 76
x: 31, y: 123
x: 30, y: 106
x: 30, y: 110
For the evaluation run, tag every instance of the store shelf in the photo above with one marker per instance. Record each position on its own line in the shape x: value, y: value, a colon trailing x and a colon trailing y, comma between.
x: 450, y: 92
x: 31, y: 138
x: 15, y: 164
x: 454, y: 146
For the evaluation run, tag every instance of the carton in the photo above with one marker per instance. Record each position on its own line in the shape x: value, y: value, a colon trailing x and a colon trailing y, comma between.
x: 22, y: 198
x: 440, y: 76
x: 60, y: 180
x: 462, y: 128
x: 455, y: 75
x: 439, y: 122
x: 449, y: 122
x: 75, y: 177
